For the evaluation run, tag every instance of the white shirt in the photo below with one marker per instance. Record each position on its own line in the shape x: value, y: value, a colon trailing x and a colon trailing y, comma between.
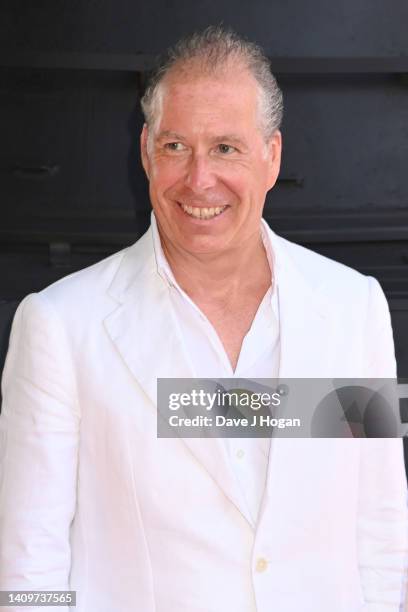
x: 258, y: 358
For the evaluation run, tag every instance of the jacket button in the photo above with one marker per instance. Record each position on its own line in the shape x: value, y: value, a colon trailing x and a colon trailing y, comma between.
x: 261, y: 564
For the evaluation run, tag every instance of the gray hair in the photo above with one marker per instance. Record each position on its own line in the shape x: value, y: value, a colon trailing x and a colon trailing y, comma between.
x: 210, y: 50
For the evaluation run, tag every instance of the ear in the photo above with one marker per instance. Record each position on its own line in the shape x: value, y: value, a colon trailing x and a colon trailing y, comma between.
x: 143, y: 150
x: 274, y: 154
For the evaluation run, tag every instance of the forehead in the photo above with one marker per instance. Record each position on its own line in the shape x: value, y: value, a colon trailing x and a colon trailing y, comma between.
x: 228, y: 101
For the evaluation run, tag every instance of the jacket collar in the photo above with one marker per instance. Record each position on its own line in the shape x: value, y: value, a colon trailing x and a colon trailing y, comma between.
x: 141, y: 290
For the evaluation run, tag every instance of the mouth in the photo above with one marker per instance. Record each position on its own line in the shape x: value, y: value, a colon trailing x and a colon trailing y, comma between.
x: 203, y: 213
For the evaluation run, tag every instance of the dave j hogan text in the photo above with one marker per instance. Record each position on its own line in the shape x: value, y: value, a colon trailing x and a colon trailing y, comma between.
x: 257, y: 420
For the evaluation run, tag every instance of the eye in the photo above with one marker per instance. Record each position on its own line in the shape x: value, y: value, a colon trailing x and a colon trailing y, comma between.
x: 225, y: 149
x: 174, y: 146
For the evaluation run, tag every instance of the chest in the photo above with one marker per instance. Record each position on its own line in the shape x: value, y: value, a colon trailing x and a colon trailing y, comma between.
x: 233, y: 323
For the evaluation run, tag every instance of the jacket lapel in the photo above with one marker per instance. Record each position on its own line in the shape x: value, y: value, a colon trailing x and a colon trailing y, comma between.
x: 142, y: 332
x: 306, y: 318
x: 307, y: 350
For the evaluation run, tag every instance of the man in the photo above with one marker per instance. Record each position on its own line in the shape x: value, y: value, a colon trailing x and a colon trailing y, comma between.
x: 91, y: 499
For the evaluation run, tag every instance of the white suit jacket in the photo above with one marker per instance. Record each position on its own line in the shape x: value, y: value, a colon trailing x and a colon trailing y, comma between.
x: 92, y: 501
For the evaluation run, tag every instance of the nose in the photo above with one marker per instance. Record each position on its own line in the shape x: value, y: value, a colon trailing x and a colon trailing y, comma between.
x: 200, y: 173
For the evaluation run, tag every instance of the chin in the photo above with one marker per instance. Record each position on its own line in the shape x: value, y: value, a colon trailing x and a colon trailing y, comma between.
x: 203, y: 245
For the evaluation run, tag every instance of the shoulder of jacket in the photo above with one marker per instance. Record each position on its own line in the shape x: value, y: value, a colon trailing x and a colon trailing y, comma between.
x: 87, y: 281
x: 327, y: 274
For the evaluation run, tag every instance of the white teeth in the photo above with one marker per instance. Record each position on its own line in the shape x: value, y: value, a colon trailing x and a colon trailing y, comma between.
x: 203, y: 213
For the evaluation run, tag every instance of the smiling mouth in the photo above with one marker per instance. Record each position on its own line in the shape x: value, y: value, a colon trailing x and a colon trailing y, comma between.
x: 202, y: 213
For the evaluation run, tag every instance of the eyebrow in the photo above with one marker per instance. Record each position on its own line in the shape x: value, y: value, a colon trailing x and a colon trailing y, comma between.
x: 232, y: 138
x: 169, y: 134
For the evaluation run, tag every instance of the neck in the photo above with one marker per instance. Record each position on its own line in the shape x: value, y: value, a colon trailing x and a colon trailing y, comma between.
x: 220, y: 277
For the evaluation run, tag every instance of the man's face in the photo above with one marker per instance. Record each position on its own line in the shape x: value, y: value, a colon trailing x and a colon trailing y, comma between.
x: 208, y: 165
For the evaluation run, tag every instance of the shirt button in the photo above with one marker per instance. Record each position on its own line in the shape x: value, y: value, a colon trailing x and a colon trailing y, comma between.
x: 261, y: 564
x: 240, y: 453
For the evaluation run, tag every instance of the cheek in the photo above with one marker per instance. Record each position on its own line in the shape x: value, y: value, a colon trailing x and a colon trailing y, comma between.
x: 235, y: 179
x: 166, y: 172
x: 246, y: 188
x: 248, y: 180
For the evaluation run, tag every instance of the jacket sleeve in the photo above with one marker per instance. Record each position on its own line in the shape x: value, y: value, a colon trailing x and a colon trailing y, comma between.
x: 382, y: 535
x: 39, y: 426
